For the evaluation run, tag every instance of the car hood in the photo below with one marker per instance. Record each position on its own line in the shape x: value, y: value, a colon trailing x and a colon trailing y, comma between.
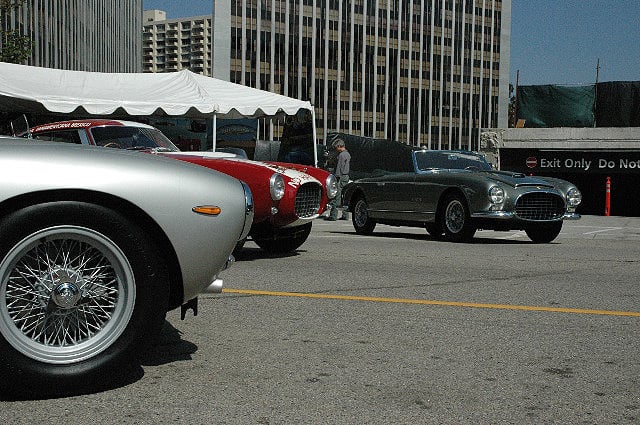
x: 296, y: 177
x: 514, y: 179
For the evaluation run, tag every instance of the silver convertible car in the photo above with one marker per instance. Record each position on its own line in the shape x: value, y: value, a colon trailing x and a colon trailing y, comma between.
x: 96, y: 245
x: 455, y: 193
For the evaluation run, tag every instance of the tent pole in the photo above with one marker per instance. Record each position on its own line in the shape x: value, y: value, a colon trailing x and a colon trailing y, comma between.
x: 315, y: 144
x: 271, y: 129
x: 215, y: 125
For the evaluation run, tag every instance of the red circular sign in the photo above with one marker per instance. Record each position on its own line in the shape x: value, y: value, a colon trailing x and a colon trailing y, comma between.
x: 532, y: 161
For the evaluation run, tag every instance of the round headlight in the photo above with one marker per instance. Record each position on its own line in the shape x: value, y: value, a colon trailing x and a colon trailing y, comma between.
x: 332, y: 186
x: 276, y: 187
x: 574, y: 197
x: 496, y: 195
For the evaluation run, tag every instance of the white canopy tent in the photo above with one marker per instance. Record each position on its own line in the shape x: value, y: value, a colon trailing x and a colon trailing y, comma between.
x: 178, y: 94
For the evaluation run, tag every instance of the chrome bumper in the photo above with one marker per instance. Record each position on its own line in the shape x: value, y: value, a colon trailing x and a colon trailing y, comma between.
x: 215, y: 287
x: 507, y: 215
x: 500, y: 215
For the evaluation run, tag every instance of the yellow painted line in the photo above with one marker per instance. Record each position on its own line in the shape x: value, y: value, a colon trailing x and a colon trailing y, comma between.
x: 432, y: 302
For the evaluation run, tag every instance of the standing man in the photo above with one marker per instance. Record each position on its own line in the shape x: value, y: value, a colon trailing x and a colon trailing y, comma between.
x: 342, y: 174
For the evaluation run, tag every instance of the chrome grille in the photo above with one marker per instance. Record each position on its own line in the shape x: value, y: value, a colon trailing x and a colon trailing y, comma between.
x: 538, y: 206
x: 308, y: 200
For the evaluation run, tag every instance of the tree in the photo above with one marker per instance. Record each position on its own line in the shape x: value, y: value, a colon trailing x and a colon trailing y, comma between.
x: 14, y: 47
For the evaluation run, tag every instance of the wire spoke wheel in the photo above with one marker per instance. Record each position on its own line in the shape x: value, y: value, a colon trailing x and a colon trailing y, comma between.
x: 360, y: 215
x: 455, y: 216
x: 363, y: 224
x: 66, y: 294
x: 454, y: 219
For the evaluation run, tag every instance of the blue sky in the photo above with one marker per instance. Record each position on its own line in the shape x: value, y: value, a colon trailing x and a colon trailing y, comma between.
x: 560, y: 41
x: 552, y: 41
x: 180, y: 8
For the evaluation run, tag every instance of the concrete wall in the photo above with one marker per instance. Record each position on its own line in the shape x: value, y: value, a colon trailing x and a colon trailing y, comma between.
x: 584, y: 156
x: 570, y: 138
x: 615, y: 138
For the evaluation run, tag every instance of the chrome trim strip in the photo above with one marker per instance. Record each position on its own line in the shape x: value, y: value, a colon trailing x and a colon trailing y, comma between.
x: 249, y: 211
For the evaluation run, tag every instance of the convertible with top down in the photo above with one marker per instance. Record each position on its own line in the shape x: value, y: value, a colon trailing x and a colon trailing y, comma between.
x: 454, y: 193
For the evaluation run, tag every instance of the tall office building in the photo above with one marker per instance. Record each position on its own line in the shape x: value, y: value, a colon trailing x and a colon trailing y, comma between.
x: 173, y: 45
x: 82, y: 35
x: 423, y: 72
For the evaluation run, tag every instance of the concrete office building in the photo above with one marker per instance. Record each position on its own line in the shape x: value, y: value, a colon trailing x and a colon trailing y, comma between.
x: 423, y: 72
x: 173, y: 45
x: 82, y: 35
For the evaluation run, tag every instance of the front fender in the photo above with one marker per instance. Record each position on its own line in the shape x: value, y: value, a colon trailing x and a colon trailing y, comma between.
x: 348, y: 193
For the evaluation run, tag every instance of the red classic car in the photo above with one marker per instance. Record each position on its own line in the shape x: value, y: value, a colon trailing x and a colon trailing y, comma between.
x: 286, y: 199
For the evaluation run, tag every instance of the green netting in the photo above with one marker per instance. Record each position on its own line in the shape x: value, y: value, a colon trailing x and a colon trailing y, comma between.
x: 556, y: 106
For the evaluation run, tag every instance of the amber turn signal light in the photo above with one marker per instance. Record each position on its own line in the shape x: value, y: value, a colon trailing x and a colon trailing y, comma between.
x: 207, y: 210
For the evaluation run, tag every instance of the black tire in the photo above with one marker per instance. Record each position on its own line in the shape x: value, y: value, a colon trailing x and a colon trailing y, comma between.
x: 84, y: 270
x: 239, y: 246
x: 454, y: 219
x: 284, y: 240
x: 544, y: 233
x: 363, y: 224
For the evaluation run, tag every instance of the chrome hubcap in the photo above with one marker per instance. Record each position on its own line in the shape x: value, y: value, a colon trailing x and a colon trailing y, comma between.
x: 66, y: 290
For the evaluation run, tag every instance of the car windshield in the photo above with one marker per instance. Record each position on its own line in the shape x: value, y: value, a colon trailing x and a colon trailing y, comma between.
x: 429, y: 160
x: 131, y: 138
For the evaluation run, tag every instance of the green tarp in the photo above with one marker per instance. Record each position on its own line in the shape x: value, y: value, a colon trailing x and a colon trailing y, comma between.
x: 556, y: 106
x: 618, y: 104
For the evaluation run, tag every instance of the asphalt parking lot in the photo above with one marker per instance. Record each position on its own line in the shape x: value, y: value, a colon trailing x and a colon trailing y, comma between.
x: 397, y: 328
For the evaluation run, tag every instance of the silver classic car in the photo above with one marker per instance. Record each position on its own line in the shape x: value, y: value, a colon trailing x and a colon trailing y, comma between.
x: 454, y: 193
x: 96, y: 245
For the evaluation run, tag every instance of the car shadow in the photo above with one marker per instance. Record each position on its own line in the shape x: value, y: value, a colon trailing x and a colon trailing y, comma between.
x: 248, y: 253
x: 390, y: 235
x: 477, y: 240
x: 497, y: 241
x: 170, y: 348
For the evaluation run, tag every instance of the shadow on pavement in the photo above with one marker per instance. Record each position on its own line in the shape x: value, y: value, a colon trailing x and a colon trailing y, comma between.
x: 426, y: 237
x: 170, y: 348
x: 249, y: 253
